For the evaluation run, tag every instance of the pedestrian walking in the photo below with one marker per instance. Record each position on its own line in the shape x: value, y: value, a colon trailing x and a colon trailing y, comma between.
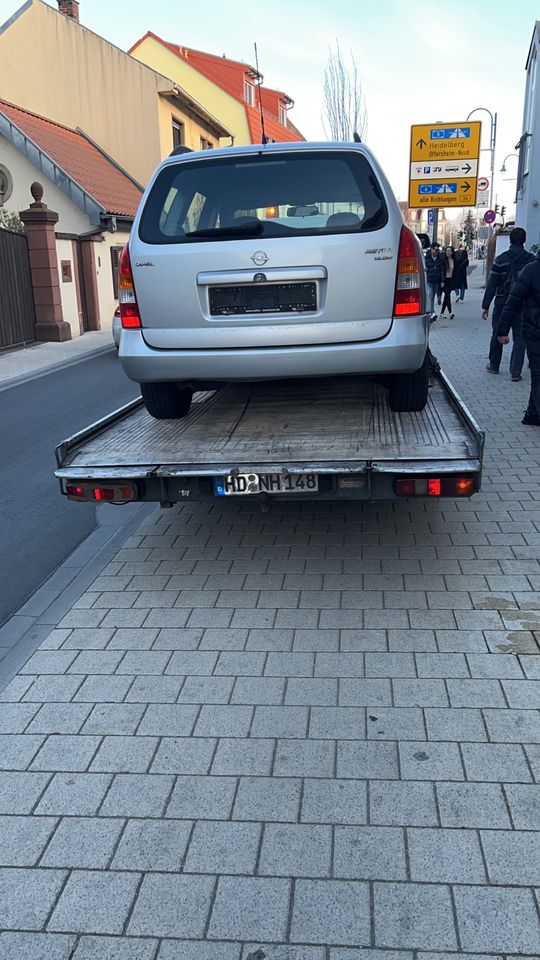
x: 460, y: 279
x: 434, y: 276
x: 503, y: 274
x: 523, y: 302
x: 449, y: 280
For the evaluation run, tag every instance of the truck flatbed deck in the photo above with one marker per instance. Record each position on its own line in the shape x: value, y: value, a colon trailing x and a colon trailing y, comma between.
x: 340, y: 432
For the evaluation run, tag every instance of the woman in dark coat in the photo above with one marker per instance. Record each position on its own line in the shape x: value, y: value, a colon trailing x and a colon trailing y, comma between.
x: 460, y: 278
x: 449, y: 280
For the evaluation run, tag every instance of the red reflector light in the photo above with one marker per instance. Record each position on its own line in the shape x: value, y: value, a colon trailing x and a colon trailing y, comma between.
x: 127, y: 300
x: 111, y: 493
x: 435, y: 486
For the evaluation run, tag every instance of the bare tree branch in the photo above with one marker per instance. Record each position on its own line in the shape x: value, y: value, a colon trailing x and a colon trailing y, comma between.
x: 344, y: 107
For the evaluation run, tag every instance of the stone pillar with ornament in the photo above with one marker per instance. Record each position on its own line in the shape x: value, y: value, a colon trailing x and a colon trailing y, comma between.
x: 40, y: 222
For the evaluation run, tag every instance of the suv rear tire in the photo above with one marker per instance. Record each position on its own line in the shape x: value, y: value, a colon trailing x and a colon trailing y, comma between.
x: 409, y: 391
x: 166, y: 401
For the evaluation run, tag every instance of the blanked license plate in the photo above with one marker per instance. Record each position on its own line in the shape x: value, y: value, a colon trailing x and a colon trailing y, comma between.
x: 244, y: 484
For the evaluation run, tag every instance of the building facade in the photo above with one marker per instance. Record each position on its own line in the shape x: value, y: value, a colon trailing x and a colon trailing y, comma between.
x: 528, y: 179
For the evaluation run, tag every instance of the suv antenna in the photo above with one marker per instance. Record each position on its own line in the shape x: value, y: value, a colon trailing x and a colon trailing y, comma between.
x: 264, y: 138
x: 356, y: 137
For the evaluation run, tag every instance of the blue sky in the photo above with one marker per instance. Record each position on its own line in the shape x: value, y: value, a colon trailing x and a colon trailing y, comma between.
x: 417, y: 65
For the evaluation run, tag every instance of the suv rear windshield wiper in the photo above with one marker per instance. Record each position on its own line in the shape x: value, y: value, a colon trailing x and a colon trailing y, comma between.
x: 240, y: 230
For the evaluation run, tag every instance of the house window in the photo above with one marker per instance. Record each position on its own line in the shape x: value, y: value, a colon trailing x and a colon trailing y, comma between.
x: 115, y: 257
x: 282, y: 116
x: 206, y: 144
x: 177, y: 133
x: 249, y: 94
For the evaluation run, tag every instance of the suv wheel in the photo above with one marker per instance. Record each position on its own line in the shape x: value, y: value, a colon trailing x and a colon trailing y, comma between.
x: 166, y: 401
x: 409, y: 391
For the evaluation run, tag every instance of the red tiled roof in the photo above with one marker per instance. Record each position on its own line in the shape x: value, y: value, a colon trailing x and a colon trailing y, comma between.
x: 230, y: 76
x: 84, y: 163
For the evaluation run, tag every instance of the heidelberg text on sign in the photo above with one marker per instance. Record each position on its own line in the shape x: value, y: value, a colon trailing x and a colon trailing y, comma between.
x: 444, y: 164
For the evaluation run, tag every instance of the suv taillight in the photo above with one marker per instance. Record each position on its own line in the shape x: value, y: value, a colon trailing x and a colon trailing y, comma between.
x: 408, y: 296
x: 127, y: 301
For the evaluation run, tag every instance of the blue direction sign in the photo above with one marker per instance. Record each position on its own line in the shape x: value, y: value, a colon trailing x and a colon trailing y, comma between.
x: 489, y: 216
x: 450, y: 133
x: 431, y: 217
x: 437, y: 188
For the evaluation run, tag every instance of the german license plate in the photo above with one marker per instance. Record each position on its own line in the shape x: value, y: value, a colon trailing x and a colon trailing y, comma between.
x: 244, y: 484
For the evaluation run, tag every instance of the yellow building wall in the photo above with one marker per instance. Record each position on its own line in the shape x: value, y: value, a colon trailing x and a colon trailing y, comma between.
x: 194, y: 129
x: 219, y: 103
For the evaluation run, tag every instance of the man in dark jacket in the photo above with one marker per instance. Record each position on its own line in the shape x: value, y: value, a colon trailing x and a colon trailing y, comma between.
x: 503, y: 273
x: 524, y: 298
x: 435, y: 275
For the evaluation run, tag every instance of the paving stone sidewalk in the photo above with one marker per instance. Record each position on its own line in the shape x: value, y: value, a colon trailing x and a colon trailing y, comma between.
x: 311, y: 734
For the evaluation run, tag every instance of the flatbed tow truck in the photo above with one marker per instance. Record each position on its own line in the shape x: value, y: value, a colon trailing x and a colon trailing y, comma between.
x: 332, y: 440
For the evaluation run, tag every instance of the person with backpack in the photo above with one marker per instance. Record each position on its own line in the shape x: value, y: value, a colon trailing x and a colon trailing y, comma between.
x: 434, y: 275
x: 504, y: 272
x: 524, y: 300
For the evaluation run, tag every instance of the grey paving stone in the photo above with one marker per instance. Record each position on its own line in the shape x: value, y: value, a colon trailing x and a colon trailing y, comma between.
x: 74, y: 794
x: 15, y: 717
x: 395, y: 723
x: 472, y: 805
x: 496, y: 762
x: 445, y: 856
x: 115, y: 948
x: 16, y: 689
x: 133, y: 638
x: 96, y: 661
x: 273, y: 640
x: 418, y: 916
x: 85, y: 843
x: 524, y: 801
x: 283, y: 952
x: 296, y: 664
x: 365, y: 693
x: 344, y: 953
x: 267, y: 799
x: 442, y: 665
x: 339, y: 665
x: 177, y: 639
x: 278, y: 721
x: 242, y: 664
x: 304, y: 758
x: 370, y: 853
x: 309, y: 641
x: 331, y: 911
x: 499, y: 666
x: 199, y: 950
x: 523, y: 694
x: 513, y: 726
x: 99, y: 689
x: 360, y: 641
x: 533, y: 756
x: 22, y: 839
x: 223, y: 847
x: 124, y: 755
x: 512, y: 857
x: 334, y: 801
x: 113, y: 718
x: 419, y: 693
x: 402, y: 803
x: 207, y: 690
x: 461, y: 725
x: 224, y: 721
x: 363, y: 761
x: 412, y: 641
x: 38, y: 946
x: 430, y: 761
x: 259, y: 690
x: 243, y: 757
x: 193, y: 662
x: 59, y: 718
x: 142, y: 662
x: 497, y: 919
x: 531, y: 667
x: 459, y: 641
x: 49, y: 661
x: 475, y: 693
x: 137, y: 795
x: 204, y: 798
x: 66, y: 752
x: 17, y: 750
x: 184, y: 755
x: 152, y: 845
x: 311, y: 691
x: 154, y: 689
x: 27, y: 897
x: 94, y: 902
x: 296, y: 850
x: 247, y: 907
x: 337, y: 723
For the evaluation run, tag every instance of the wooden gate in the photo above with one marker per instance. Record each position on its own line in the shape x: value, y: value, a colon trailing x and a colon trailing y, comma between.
x: 17, y: 316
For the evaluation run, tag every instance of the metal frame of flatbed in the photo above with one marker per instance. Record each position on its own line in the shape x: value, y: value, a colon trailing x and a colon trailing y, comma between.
x: 78, y: 457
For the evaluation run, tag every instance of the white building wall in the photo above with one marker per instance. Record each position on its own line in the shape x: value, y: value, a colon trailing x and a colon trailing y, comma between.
x: 528, y: 197
x: 68, y: 289
x: 105, y: 282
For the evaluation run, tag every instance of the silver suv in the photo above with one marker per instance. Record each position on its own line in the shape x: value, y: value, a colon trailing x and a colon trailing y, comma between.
x: 268, y: 262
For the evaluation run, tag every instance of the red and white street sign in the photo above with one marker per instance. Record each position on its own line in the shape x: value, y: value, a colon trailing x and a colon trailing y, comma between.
x: 483, y: 183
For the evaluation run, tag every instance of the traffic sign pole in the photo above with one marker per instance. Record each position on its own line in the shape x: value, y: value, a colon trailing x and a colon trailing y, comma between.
x: 435, y: 222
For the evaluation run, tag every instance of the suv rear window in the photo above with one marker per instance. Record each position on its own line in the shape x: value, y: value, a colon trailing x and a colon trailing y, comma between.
x: 276, y: 195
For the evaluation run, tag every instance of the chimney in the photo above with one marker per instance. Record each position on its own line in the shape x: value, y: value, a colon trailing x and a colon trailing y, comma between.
x: 70, y: 8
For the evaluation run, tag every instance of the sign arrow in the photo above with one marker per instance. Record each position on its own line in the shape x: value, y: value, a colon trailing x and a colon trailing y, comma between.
x: 466, y: 186
x: 421, y: 143
x: 466, y: 168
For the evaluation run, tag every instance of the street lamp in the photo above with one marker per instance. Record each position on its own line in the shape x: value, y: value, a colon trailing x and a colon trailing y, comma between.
x: 491, y: 148
x: 503, y: 168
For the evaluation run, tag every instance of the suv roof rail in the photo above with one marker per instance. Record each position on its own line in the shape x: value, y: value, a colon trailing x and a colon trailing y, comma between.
x: 180, y: 149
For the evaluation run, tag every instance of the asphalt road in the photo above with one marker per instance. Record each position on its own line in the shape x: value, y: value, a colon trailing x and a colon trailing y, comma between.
x: 38, y: 527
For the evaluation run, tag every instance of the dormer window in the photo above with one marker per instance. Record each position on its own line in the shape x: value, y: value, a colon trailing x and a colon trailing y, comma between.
x: 282, y: 115
x: 249, y: 93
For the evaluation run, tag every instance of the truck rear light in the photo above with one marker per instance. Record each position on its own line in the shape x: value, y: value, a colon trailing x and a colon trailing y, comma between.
x: 408, y: 299
x: 127, y: 300
x: 110, y: 492
x: 435, y: 486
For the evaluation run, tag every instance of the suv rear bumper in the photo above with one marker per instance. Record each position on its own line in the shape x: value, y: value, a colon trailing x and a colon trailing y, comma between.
x: 402, y: 350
